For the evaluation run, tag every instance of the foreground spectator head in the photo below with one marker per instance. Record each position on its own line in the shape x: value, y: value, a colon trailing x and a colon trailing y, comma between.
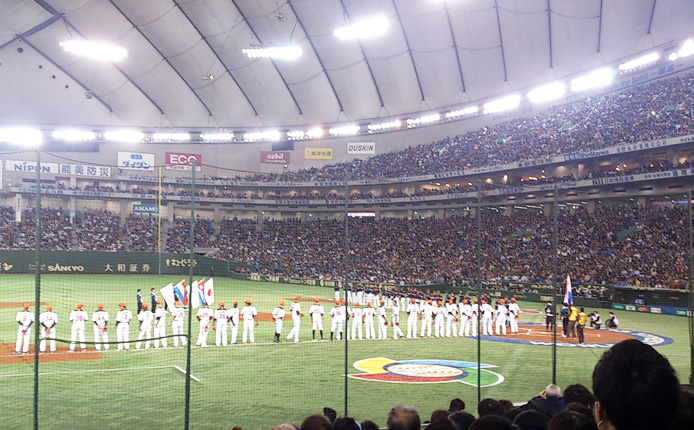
x: 438, y: 415
x: 579, y: 394
x: 345, y: 424
x: 316, y: 422
x: 403, y: 417
x: 330, y: 414
x: 456, y: 405
x: 462, y: 420
x: 531, y: 420
x: 491, y: 422
x: 285, y: 427
x: 571, y: 420
x: 490, y: 407
x: 552, y: 391
x: 368, y: 425
x: 634, y: 387
x: 684, y: 415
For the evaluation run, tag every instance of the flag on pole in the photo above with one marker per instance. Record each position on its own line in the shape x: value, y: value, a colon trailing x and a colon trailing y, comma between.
x: 169, y: 296
x: 198, y: 293
x: 180, y: 290
x: 568, y: 295
x: 209, y: 291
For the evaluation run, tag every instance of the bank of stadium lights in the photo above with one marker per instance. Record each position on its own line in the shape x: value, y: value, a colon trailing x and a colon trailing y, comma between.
x: 345, y: 130
x: 594, y: 79
x: 124, y: 136
x: 217, y: 137
x: 384, y: 126
x: 548, y: 92
x: 74, y: 135
x: 170, y: 137
x: 686, y: 50
x: 268, y: 135
x: 289, y: 52
x: 21, y: 136
x: 502, y: 104
x: 470, y: 110
x: 423, y: 120
x: 314, y: 133
x: 639, y: 62
x: 364, y: 29
x: 97, y: 50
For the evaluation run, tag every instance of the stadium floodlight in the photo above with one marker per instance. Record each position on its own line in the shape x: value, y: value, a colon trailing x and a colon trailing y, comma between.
x: 217, y: 137
x: 289, y: 52
x: 21, y: 136
x: 346, y: 130
x: 594, y: 79
x: 365, y: 29
x: 295, y: 135
x: 470, y: 110
x: 269, y: 135
x: 124, y: 136
x: 384, y: 126
x: 315, y: 133
x: 548, y: 92
x: 426, y: 119
x: 687, y: 48
x: 97, y: 50
x: 639, y: 62
x: 71, y: 135
x: 499, y: 105
x: 170, y: 137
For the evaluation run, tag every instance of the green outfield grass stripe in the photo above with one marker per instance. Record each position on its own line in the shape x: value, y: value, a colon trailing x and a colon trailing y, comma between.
x: 125, y: 369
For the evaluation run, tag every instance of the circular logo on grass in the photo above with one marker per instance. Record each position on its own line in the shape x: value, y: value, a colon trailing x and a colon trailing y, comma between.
x: 383, y: 369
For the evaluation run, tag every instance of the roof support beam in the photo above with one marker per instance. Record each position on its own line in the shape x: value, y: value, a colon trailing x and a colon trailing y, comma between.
x: 366, y: 60
x: 298, y: 20
x: 455, y: 45
x: 409, y: 50
x: 501, y: 39
x: 600, y: 27
x: 178, y: 5
x: 273, y: 61
x: 650, y: 21
x: 549, y: 28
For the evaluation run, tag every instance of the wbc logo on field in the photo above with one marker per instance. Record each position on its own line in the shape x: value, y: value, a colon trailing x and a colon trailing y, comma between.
x: 383, y: 369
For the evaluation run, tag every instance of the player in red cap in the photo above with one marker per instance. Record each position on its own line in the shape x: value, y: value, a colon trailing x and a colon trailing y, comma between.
x: 295, y: 312
x: 451, y: 318
x: 382, y: 320
x: 513, y: 315
x: 338, y: 315
x: 78, y: 317
x: 146, y: 317
x: 465, y: 317
x: 234, y: 318
x: 427, y: 319
x: 412, y: 318
x: 178, y: 315
x: 248, y: 313
x: 48, y: 321
x: 25, y: 318
x: 160, y: 325
x: 278, y: 319
x: 123, y: 318
x: 316, y: 311
x: 221, y: 321
x: 501, y: 316
x: 100, y: 319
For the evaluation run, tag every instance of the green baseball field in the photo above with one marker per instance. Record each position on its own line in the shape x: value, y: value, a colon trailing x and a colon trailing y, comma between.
x: 263, y: 385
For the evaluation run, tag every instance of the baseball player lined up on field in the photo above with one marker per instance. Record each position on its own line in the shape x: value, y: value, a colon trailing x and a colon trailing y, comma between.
x: 48, y: 321
x: 395, y: 320
x: 100, y: 320
x: 234, y: 318
x: 513, y: 315
x: 145, y: 317
x: 221, y: 322
x: 465, y: 317
x: 177, y: 317
x: 160, y: 325
x: 25, y: 318
x: 412, y: 317
x: 368, y: 314
x: 316, y: 311
x: 427, y: 311
x: 501, y: 316
x: 475, y: 316
x: 486, y: 310
x: 248, y: 313
x: 295, y: 312
x: 382, y: 321
x: 357, y: 322
x: 439, y: 319
x: 204, y: 316
x: 78, y: 317
x: 451, y: 318
x: 278, y: 319
x: 338, y: 314
x: 123, y: 318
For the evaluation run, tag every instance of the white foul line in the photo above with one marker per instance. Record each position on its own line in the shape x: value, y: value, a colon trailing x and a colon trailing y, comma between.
x: 184, y: 372
x: 124, y: 369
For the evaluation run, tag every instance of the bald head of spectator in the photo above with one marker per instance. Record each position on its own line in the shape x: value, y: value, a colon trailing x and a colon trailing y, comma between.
x: 403, y: 417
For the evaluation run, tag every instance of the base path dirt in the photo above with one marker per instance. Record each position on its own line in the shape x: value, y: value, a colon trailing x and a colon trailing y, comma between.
x: 8, y: 305
x: 7, y: 355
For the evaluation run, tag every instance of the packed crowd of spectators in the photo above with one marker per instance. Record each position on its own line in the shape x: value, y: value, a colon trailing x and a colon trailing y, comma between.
x: 141, y: 232
x: 99, y: 230
x: 178, y: 237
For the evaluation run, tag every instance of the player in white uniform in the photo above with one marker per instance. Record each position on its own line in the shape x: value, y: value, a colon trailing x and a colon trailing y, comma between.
x: 465, y: 318
x: 369, y: 328
x: 205, y: 318
x: 248, y: 313
x: 123, y: 318
x: 513, y: 315
x: 221, y: 322
x: 439, y: 319
x: 160, y: 325
x: 100, y: 319
x: 78, y: 317
x: 177, y: 320
x: 357, y: 322
x: 48, y: 321
x: 451, y: 318
x: 146, y: 317
x: 234, y: 321
x: 382, y: 321
x: 295, y: 312
x: 427, y: 318
x: 486, y: 310
x: 338, y: 315
x: 475, y: 317
x: 501, y: 316
x: 412, y: 317
x: 25, y: 318
x: 395, y: 320
x: 278, y: 319
x: 316, y: 311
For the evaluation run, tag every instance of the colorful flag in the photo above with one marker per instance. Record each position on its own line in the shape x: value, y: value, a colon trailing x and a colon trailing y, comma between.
x: 181, y: 292
x: 198, y: 293
x: 169, y: 296
x: 209, y: 291
x: 568, y: 295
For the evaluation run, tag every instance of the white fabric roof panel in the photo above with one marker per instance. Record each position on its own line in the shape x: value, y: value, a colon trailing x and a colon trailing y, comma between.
x: 172, y: 45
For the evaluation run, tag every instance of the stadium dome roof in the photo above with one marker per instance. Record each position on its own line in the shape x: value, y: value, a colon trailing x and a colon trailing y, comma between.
x: 435, y: 53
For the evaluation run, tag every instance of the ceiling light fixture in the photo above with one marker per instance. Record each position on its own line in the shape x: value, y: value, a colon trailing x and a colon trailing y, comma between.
x: 639, y: 62
x: 97, y: 50
x: 21, y: 136
x: 289, y: 52
x: 124, y: 136
x: 347, y: 130
x: 597, y: 78
x: 506, y: 103
x: 365, y: 29
x: 74, y: 135
x: 548, y: 92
